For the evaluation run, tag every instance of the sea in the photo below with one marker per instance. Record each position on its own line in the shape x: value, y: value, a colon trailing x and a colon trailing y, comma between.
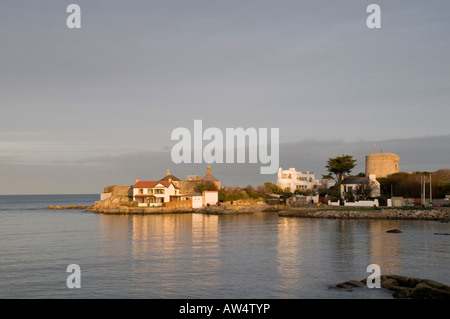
x: 198, y: 256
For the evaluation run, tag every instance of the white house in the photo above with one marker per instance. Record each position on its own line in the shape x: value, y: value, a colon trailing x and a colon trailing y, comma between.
x: 355, y: 185
x: 292, y: 180
x: 155, y: 193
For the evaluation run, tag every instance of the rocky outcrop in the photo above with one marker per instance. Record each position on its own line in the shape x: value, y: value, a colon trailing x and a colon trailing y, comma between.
x: 114, y: 197
x: 405, y: 287
x: 415, y: 288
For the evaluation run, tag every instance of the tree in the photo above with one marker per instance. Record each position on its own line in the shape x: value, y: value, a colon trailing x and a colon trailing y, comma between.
x: 272, y: 188
x: 364, y: 191
x: 339, y: 166
x: 205, y: 186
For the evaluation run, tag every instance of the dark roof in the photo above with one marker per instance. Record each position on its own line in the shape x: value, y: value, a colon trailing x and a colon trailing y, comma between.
x: 209, y: 178
x: 355, y: 180
x: 172, y: 177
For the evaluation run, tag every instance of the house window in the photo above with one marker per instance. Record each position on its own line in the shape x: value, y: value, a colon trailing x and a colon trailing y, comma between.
x: 149, y: 191
x: 141, y: 191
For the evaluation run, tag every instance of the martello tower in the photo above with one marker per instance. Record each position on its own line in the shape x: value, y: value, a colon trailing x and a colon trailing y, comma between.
x: 382, y: 164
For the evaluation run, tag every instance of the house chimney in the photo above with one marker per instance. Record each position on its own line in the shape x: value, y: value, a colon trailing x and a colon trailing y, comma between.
x: 208, y: 170
x: 137, y: 180
x: 168, y: 172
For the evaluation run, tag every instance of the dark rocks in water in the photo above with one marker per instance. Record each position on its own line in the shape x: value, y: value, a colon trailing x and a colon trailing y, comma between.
x: 405, y: 287
x: 441, y: 233
x: 399, y: 281
x: 395, y: 230
x: 348, y: 285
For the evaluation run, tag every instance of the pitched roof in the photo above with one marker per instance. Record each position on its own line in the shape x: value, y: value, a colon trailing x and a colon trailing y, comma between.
x: 355, y: 180
x: 170, y: 177
x: 151, y: 184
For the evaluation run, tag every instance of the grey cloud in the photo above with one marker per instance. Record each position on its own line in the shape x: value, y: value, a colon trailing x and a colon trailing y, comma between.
x: 91, y: 174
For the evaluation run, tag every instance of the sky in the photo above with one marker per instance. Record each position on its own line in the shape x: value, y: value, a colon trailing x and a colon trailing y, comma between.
x: 84, y: 108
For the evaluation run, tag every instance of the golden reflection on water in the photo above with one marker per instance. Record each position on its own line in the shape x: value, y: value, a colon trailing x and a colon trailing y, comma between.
x: 158, y: 242
x: 164, y: 250
x: 114, y: 234
x: 385, y: 248
x: 290, y: 253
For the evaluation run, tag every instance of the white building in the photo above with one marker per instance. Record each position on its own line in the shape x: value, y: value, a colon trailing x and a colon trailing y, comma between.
x: 210, y: 197
x: 195, y: 198
x: 155, y: 193
x: 201, y: 199
x: 292, y: 180
x: 356, y: 185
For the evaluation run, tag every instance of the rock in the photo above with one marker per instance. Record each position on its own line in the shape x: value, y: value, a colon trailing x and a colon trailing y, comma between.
x: 404, y: 281
x: 348, y: 285
x: 442, y: 234
x: 437, y: 285
x: 395, y: 230
x: 406, y: 287
x: 354, y: 283
x: 402, y: 293
x: 423, y: 291
x: 389, y: 282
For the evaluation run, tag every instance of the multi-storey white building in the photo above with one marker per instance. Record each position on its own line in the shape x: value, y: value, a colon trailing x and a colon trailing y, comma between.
x: 292, y: 180
x: 155, y: 193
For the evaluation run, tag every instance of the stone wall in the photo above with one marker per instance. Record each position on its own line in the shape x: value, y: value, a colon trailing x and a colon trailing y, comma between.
x: 179, y: 204
x: 412, y: 214
x: 115, y: 196
x: 119, y: 190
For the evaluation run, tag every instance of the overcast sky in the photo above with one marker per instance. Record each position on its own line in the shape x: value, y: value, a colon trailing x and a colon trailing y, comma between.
x: 85, y: 108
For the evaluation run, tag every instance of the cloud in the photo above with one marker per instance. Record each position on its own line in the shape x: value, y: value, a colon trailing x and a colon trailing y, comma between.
x: 92, y: 174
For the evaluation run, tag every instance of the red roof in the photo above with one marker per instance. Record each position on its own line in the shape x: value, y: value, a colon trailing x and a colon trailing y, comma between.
x: 151, y: 184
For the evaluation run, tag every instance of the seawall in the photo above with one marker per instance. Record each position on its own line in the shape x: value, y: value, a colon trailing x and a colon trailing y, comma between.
x: 411, y: 214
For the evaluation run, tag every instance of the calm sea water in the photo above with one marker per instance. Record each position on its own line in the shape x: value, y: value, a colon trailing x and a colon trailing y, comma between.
x: 200, y: 256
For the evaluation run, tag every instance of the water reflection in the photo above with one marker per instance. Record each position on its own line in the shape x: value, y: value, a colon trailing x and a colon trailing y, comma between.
x: 244, y: 256
x: 115, y: 233
x: 385, y: 248
x: 163, y: 250
x: 291, y: 253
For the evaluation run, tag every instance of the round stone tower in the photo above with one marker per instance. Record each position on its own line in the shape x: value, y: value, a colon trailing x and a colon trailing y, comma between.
x: 382, y: 164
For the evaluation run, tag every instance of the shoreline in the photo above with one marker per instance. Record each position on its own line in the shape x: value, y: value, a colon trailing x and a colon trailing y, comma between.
x: 435, y: 213
x: 407, y: 213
